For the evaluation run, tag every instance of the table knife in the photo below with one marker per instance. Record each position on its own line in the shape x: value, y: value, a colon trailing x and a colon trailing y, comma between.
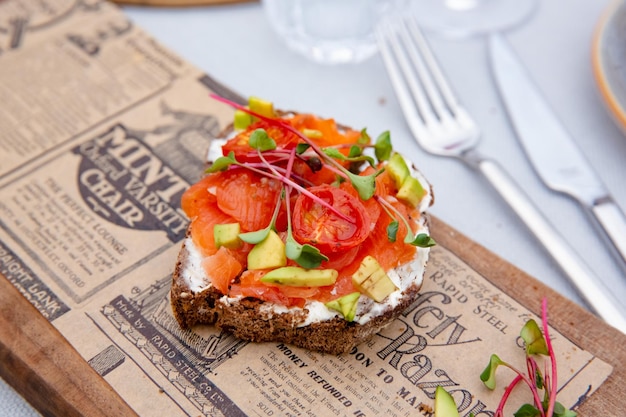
x: 550, y: 148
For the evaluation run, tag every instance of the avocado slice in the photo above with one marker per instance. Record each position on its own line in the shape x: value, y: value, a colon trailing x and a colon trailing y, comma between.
x: 295, y: 276
x: 269, y: 253
x: 444, y: 403
x: 312, y: 133
x: 372, y: 280
x: 242, y: 120
x: 263, y: 107
x: 397, y: 169
x: 346, y: 305
x: 411, y: 192
x: 227, y: 235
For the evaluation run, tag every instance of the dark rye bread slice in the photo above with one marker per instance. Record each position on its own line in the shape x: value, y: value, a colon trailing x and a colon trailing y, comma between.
x: 250, y: 319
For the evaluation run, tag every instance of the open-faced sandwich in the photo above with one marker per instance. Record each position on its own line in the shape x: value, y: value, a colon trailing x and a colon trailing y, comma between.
x: 301, y: 232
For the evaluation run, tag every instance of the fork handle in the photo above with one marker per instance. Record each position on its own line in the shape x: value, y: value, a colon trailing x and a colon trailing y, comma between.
x: 588, y: 285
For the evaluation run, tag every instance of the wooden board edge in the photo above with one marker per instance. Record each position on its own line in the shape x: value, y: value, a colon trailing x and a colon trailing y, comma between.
x: 42, y: 366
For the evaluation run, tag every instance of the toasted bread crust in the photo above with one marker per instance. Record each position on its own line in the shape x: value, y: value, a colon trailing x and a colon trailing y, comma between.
x: 247, y: 318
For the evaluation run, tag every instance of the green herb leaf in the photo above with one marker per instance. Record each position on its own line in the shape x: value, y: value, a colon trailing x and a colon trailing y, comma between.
x: 259, y: 139
x: 365, y: 185
x: 488, y: 376
x: 256, y: 236
x: 392, y: 231
x: 365, y: 158
x: 293, y: 249
x: 382, y: 147
x: 310, y: 257
x: 306, y: 256
x: 422, y: 240
x: 222, y: 163
x: 302, y: 147
x: 561, y: 411
x: 539, y: 382
x: 559, y: 408
x: 355, y: 151
x: 532, y: 336
x: 364, y: 139
x: 527, y: 410
x: 334, y: 153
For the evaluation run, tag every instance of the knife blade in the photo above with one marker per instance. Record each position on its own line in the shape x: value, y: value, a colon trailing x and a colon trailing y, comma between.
x: 550, y: 148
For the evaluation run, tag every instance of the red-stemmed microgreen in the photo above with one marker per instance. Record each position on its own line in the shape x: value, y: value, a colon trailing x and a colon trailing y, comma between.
x: 536, y: 343
x: 355, y: 154
x: 307, y: 256
x: 365, y: 185
x: 259, y: 236
x: 421, y: 240
x: 224, y: 162
x: 260, y: 141
x: 552, y: 404
x: 316, y: 157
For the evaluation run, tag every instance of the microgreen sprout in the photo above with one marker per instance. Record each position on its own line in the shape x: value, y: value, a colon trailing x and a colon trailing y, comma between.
x: 260, y: 140
x: 365, y: 137
x: 421, y: 240
x: 382, y: 147
x: 392, y: 231
x: 354, y: 155
x: 364, y: 186
x: 259, y: 236
x: 224, y: 162
x: 316, y: 157
x: 536, y: 344
x: 307, y: 256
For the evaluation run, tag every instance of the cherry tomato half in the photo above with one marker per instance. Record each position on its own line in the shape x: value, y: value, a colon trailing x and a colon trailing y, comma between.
x: 318, y: 225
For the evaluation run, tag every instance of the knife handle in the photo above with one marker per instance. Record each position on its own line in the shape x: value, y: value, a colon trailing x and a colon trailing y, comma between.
x: 590, y: 288
x: 612, y: 222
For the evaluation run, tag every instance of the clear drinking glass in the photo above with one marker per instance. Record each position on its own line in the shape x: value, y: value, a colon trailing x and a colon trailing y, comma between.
x: 463, y: 18
x: 330, y: 31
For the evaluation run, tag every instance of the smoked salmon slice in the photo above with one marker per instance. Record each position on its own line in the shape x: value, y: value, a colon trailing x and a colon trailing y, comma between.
x: 250, y: 199
x: 222, y: 268
x: 208, y: 215
x: 199, y: 195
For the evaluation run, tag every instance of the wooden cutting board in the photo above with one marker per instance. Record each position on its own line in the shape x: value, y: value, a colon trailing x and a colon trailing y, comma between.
x: 44, y: 368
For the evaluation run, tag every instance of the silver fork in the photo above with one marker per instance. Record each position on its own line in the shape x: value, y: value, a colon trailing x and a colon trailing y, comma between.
x: 442, y: 127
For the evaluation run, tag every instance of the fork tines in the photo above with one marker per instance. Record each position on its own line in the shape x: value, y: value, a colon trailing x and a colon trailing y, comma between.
x: 424, y: 94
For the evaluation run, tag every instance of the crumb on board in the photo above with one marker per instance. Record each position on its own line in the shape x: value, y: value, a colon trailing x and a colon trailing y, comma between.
x: 425, y: 408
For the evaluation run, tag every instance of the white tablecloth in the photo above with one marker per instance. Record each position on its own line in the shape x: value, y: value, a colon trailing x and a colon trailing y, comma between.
x: 235, y: 45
